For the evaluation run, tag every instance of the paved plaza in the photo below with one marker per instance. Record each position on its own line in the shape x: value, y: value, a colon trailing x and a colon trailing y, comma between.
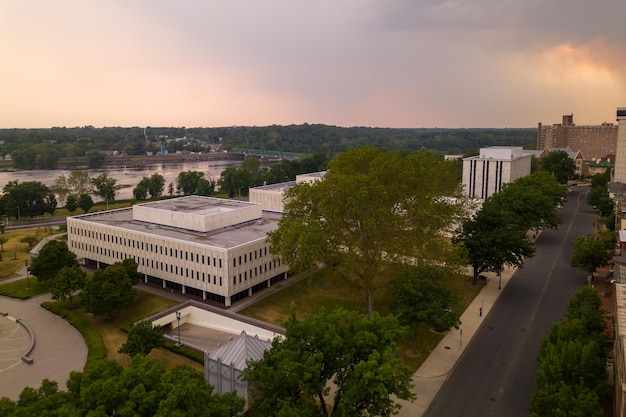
x: 59, y: 347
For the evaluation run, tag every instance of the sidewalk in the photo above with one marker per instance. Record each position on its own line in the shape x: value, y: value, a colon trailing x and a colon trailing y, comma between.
x: 435, y: 370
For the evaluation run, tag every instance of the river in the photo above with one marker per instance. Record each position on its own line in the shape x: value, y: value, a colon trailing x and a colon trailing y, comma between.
x: 127, y: 178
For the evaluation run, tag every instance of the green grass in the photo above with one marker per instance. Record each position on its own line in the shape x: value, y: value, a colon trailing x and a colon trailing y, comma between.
x: 15, y: 253
x: 323, y: 290
x: 19, y: 289
x: 105, y: 336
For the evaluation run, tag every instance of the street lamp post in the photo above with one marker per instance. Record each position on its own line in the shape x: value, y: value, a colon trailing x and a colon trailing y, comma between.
x: 178, y: 318
x: 27, y: 278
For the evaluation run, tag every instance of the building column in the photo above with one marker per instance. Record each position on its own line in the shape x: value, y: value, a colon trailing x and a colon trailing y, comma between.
x: 250, y: 292
x: 203, y: 295
x: 227, y: 301
x: 145, y: 278
x: 184, y: 287
x: 163, y: 284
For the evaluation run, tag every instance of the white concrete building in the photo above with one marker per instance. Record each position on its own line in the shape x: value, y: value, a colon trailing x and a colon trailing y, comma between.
x: 271, y: 197
x: 486, y: 173
x: 210, y: 248
x: 619, y: 173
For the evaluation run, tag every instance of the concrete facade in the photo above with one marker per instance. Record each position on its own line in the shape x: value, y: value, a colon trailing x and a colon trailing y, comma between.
x: 485, y: 174
x: 619, y: 174
x: 271, y: 197
x: 213, y: 249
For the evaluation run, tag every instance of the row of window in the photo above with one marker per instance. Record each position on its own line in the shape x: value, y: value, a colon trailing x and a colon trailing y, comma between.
x: 257, y: 270
x: 161, y: 250
x: 175, y: 269
x: 151, y: 247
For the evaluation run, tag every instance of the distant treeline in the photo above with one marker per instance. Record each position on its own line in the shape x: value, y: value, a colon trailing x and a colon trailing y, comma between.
x: 305, y: 138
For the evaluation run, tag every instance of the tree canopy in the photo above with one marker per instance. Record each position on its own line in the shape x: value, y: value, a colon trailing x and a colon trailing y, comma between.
x: 531, y: 201
x: 110, y: 288
x: 187, y: 181
x: 558, y: 164
x: 105, y: 187
x: 27, y: 199
x: 422, y: 298
x: 52, y: 257
x: 355, y: 352
x: 142, y: 338
x: 68, y: 281
x: 593, y: 251
x: 493, y: 239
x: 571, y: 371
x: 372, y: 212
x: 143, y: 389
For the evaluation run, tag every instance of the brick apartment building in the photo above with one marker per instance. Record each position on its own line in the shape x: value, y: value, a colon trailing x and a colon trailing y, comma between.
x: 594, y: 142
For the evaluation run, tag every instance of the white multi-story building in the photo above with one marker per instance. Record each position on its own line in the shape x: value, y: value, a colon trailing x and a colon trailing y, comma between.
x: 486, y: 173
x: 214, y: 249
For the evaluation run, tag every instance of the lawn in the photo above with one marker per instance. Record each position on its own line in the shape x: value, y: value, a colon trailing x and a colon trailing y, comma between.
x: 15, y: 254
x: 322, y: 289
x: 111, y: 333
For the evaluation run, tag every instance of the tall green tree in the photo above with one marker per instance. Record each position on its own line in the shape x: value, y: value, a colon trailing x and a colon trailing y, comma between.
x: 52, y: 257
x: 187, y: 181
x: 27, y: 199
x: 571, y: 372
x: 532, y: 200
x: 357, y: 353
x: 105, y: 187
x: 234, y: 181
x: 71, y: 203
x: 76, y: 183
x: 67, y: 282
x: 108, y: 290
x: 423, y: 299
x: 142, y: 338
x: 372, y: 213
x: 85, y: 202
x: 559, y: 165
x: 593, y: 251
x: 494, y: 240
x: 156, y: 185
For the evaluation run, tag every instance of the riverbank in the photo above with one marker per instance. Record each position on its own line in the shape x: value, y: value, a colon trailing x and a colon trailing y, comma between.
x: 134, y: 161
x: 137, y: 161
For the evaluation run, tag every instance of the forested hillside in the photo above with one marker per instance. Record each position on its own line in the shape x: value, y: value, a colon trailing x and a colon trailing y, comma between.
x: 41, y: 148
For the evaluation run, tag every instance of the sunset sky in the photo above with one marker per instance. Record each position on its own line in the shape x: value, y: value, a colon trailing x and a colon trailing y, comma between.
x: 383, y: 63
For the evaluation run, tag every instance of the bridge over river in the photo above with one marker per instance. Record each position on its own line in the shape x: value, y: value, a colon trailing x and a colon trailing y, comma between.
x: 267, y: 153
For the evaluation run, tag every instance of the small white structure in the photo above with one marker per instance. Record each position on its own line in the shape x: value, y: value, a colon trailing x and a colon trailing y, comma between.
x: 272, y: 197
x: 485, y: 174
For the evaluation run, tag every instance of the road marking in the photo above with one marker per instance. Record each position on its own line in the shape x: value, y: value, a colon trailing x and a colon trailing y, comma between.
x: 533, y: 315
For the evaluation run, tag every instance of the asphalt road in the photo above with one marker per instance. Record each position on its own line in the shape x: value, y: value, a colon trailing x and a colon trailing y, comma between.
x: 496, y: 373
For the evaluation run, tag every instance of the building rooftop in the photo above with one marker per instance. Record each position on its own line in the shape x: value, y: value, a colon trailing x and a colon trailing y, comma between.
x: 224, y: 237
x: 278, y: 187
x: 240, y: 350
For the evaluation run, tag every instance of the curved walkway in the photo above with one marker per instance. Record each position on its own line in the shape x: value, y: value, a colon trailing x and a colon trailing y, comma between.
x: 59, y: 348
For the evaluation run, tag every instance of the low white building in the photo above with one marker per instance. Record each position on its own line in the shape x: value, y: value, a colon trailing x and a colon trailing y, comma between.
x: 486, y: 173
x: 210, y: 248
x: 272, y: 197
